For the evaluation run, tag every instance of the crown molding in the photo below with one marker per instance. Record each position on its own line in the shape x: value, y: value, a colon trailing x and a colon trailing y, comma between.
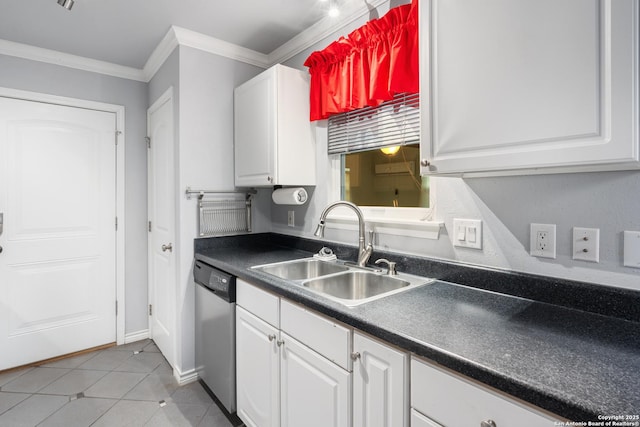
x: 219, y: 47
x: 178, y: 36
x: 49, y: 56
x: 320, y: 30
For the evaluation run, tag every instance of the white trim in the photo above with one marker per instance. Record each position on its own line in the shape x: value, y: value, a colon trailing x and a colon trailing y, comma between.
x: 219, y: 47
x: 160, y: 54
x: 136, y: 336
x: 177, y: 36
x: 119, y: 111
x: 319, y: 31
x: 184, y: 378
x: 55, y: 57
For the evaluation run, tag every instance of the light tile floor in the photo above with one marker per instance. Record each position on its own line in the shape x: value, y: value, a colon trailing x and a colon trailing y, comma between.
x: 128, y: 385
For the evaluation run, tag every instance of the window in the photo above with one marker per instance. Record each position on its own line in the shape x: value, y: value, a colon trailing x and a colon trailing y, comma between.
x: 380, y: 154
x: 375, y: 157
x: 385, y: 177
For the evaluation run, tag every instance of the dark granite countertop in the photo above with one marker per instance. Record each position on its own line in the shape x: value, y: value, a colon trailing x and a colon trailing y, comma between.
x: 578, y: 363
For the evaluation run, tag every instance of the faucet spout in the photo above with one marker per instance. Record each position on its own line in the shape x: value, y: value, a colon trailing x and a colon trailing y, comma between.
x: 364, y: 251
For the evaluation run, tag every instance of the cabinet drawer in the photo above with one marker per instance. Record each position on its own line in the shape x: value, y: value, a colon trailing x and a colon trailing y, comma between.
x: 324, y: 335
x: 453, y: 400
x: 261, y: 303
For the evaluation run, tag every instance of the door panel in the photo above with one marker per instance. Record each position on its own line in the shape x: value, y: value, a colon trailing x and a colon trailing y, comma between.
x: 58, y: 196
x: 162, y: 207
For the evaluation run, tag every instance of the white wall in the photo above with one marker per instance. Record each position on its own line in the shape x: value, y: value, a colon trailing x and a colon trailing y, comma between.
x: 507, y: 205
x: 61, y: 81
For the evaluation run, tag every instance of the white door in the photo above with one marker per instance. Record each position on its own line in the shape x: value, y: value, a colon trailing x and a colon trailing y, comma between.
x: 162, y: 207
x: 314, y: 391
x: 257, y: 371
x: 58, y: 259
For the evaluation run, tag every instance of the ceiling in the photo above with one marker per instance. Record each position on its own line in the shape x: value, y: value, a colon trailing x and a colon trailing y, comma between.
x: 125, y: 32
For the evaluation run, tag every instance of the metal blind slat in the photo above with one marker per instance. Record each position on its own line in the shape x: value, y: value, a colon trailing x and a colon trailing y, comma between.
x: 395, y: 122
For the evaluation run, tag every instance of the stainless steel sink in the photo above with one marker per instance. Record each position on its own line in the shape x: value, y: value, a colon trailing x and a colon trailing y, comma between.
x: 302, y: 269
x: 355, y: 285
x: 347, y: 284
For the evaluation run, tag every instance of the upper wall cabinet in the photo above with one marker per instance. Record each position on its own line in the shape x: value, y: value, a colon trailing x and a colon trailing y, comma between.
x: 529, y: 86
x: 273, y: 140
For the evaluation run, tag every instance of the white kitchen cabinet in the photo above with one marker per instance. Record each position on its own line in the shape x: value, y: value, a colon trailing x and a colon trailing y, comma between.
x: 419, y: 420
x: 314, y: 391
x: 274, y: 144
x: 451, y: 400
x: 529, y: 86
x: 281, y: 381
x: 258, y: 371
x: 380, y: 384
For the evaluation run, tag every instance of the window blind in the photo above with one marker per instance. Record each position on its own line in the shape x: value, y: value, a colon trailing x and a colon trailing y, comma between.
x: 395, y: 122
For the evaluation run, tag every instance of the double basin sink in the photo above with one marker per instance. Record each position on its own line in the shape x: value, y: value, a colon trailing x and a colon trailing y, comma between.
x: 347, y: 284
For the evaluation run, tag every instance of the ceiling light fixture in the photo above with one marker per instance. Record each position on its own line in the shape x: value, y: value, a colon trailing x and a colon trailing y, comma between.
x: 390, y: 151
x: 333, y: 9
x: 67, y: 4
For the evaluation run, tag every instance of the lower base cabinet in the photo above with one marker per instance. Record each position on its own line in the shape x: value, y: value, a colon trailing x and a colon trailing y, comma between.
x: 380, y: 384
x: 314, y: 391
x: 443, y: 398
x: 257, y: 371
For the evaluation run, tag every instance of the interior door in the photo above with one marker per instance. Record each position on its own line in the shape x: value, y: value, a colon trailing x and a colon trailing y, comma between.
x: 58, y: 203
x: 162, y: 206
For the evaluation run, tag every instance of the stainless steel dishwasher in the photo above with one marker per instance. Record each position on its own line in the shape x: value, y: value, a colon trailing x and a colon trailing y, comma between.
x: 215, y: 340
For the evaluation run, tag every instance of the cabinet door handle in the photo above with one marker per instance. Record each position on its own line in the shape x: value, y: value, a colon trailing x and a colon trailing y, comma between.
x: 355, y: 356
x: 168, y: 247
x: 269, y: 179
x: 280, y: 343
x: 425, y: 162
x: 272, y: 337
x: 488, y: 423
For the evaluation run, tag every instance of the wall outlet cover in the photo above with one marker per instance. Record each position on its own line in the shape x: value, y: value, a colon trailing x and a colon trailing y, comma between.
x: 632, y: 249
x: 543, y: 240
x: 586, y: 244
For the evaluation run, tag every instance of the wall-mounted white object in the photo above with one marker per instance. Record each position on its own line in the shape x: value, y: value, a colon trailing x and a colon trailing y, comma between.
x: 543, y: 240
x: 290, y: 196
x: 274, y: 143
x: 632, y: 249
x: 467, y: 233
x: 586, y: 244
x: 552, y: 109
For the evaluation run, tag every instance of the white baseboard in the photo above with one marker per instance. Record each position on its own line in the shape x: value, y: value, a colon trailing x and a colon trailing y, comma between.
x: 185, y: 377
x: 136, y: 336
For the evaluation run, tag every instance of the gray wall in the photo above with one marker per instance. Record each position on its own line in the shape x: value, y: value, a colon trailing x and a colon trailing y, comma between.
x: 203, y: 86
x: 56, y: 80
x: 507, y: 205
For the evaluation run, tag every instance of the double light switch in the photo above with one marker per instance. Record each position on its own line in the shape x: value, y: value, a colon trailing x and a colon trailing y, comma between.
x: 467, y: 233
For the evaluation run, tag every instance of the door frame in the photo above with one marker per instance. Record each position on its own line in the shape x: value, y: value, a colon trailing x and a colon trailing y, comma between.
x: 119, y: 111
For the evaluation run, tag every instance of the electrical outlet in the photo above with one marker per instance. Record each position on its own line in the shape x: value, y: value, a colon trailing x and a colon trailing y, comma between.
x: 543, y: 240
x: 291, y: 218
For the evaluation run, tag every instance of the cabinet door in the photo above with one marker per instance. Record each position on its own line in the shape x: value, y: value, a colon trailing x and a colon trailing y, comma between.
x: 255, y: 112
x: 419, y: 420
x: 380, y: 384
x: 315, y: 392
x: 521, y: 85
x: 258, y: 374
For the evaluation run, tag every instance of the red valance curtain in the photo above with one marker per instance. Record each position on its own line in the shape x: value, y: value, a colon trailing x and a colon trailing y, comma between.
x: 369, y: 66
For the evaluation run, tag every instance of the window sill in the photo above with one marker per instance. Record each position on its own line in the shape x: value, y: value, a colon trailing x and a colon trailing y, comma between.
x: 410, y: 222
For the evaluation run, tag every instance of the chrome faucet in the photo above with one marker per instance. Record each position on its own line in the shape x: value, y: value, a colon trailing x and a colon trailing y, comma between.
x: 364, y: 252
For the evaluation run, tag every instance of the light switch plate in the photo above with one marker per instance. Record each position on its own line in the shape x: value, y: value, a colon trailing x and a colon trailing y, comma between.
x: 586, y: 244
x: 467, y: 233
x: 632, y: 249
